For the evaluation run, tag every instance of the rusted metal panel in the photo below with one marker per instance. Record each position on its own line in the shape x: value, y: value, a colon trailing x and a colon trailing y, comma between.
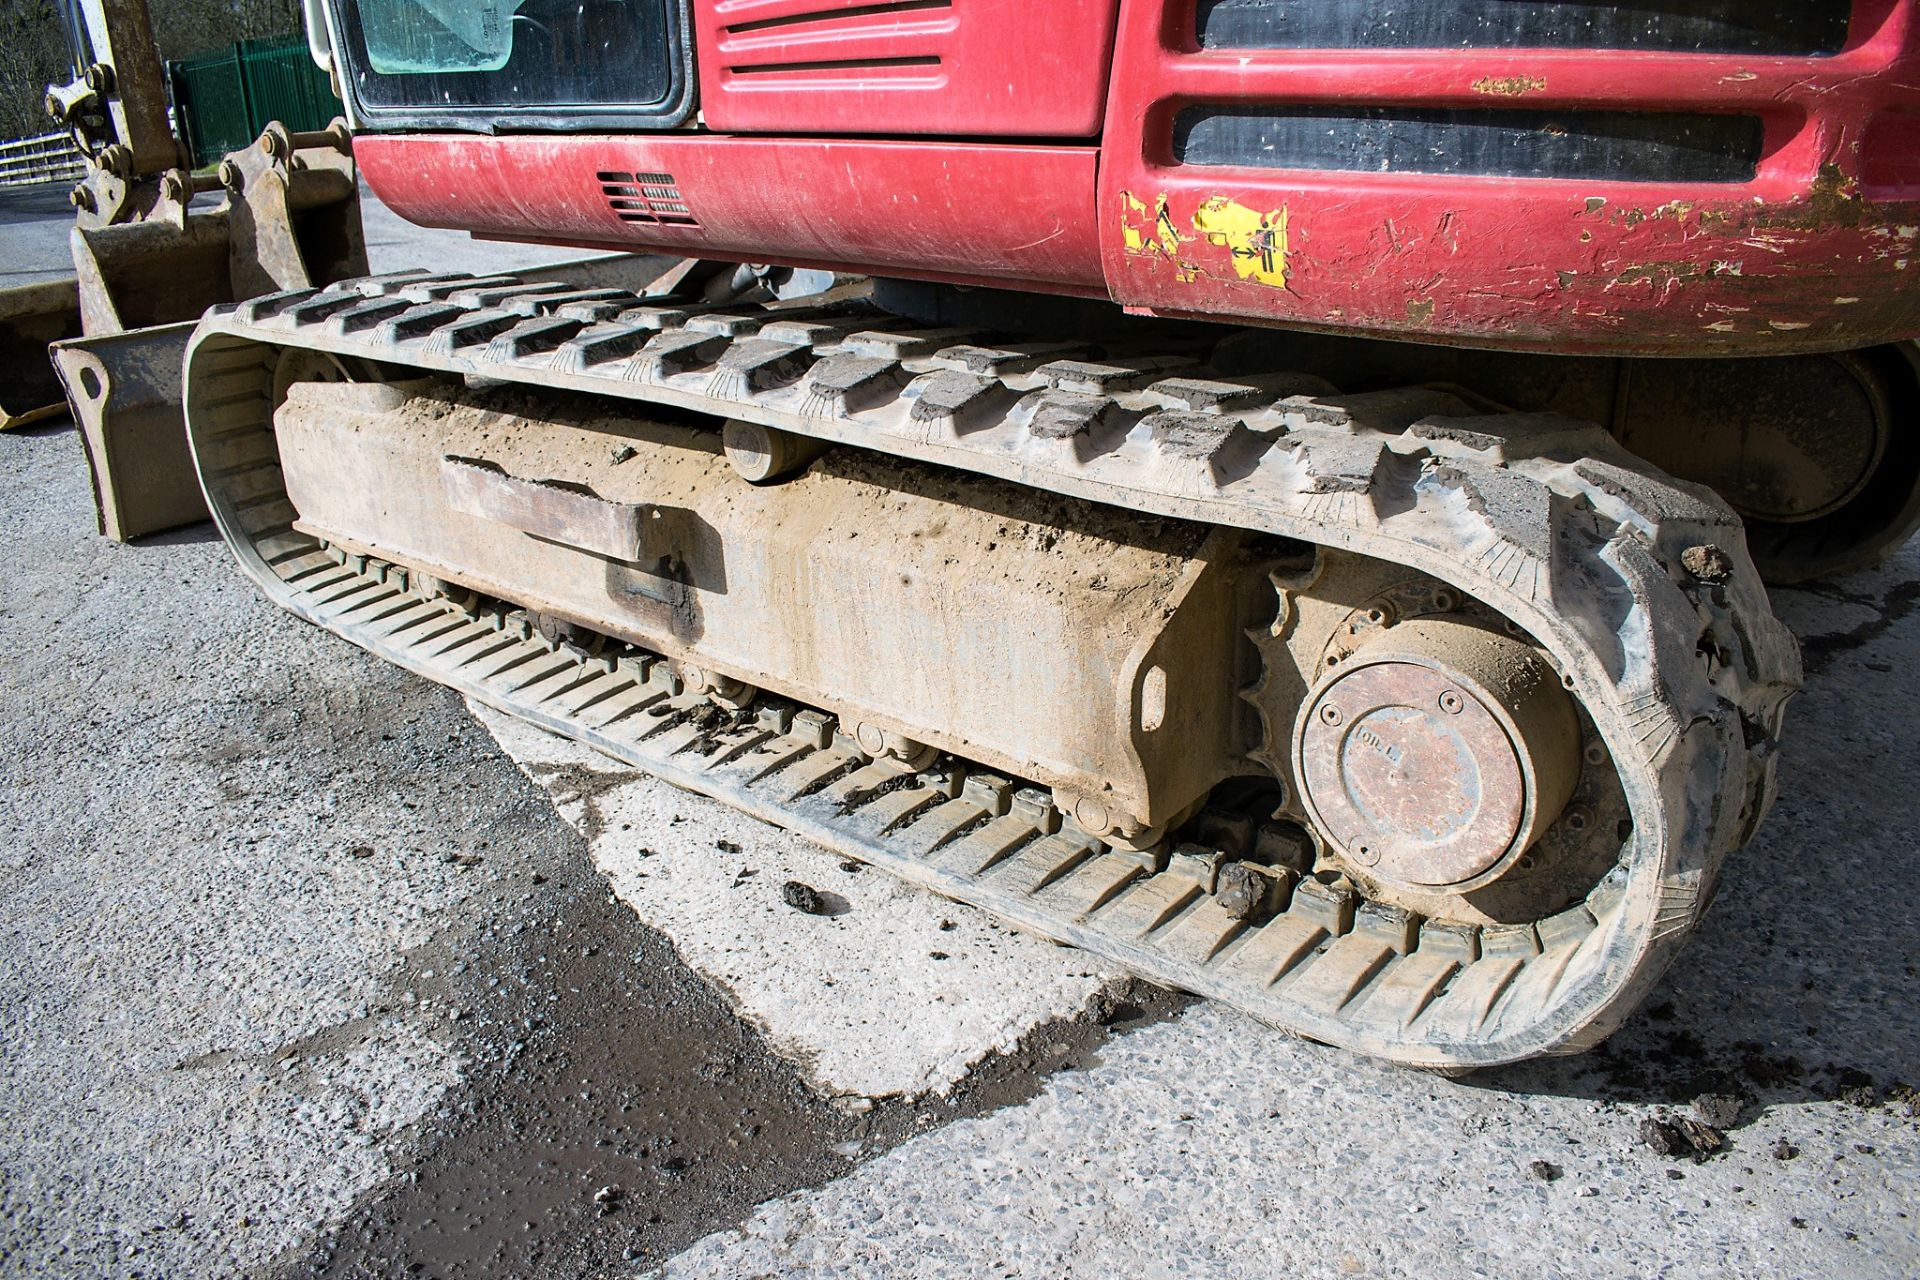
x: 1016, y: 214
x: 557, y: 512
x: 921, y: 67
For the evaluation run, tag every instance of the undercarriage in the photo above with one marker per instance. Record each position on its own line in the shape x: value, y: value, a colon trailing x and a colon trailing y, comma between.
x: 1396, y: 718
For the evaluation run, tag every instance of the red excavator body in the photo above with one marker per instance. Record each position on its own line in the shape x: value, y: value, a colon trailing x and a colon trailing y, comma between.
x: 1580, y: 178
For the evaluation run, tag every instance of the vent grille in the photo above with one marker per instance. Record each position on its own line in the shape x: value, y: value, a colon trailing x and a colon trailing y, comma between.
x: 843, y: 15
x: 650, y: 198
x: 897, y: 42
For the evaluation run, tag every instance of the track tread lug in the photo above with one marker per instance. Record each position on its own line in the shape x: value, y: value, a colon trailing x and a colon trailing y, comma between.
x: 1338, y: 975
x: 973, y: 854
x: 1043, y: 862
x: 1276, y: 949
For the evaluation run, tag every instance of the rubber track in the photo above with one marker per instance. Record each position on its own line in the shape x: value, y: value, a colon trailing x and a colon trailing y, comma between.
x: 1544, y: 518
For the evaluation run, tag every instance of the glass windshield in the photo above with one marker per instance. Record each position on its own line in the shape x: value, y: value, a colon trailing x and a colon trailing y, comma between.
x: 438, y: 35
x: 465, y: 54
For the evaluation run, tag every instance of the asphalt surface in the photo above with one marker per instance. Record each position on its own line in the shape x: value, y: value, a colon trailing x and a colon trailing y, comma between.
x: 309, y: 974
x: 34, y: 222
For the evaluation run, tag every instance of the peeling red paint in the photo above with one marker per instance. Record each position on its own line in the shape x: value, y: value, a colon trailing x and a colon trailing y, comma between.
x: 1509, y: 86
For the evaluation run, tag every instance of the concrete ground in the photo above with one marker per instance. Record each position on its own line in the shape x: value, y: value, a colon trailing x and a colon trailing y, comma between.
x: 314, y: 973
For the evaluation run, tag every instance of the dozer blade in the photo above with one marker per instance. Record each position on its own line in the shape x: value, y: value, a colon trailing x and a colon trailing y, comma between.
x: 1518, y: 694
x: 32, y: 316
x: 125, y: 393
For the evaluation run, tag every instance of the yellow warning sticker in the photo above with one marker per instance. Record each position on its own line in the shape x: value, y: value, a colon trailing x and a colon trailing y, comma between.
x: 1257, y: 241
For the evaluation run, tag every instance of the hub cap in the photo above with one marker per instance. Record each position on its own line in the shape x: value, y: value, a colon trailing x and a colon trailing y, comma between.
x: 1435, y: 755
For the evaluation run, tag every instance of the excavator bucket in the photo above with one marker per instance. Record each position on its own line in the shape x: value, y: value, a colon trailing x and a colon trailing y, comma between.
x: 125, y: 394
x: 156, y: 272
x: 31, y: 316
x: 290, y: 218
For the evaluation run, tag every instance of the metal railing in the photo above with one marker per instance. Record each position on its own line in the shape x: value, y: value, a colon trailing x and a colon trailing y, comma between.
x: 50, y: 157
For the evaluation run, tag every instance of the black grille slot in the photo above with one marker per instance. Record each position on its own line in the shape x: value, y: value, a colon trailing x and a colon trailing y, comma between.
x: 1620, y: 145
x: 646, y: 197
x: 1802, y: 28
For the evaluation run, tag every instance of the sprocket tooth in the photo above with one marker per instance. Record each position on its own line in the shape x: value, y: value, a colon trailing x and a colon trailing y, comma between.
x: 953, y: 396
x: 1383, y: 412
x: 1502, y: 438
x: 843, y: 385
x: 1064, y: 415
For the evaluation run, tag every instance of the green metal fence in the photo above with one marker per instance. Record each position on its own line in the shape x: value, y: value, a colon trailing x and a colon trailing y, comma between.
x: 223, y: 100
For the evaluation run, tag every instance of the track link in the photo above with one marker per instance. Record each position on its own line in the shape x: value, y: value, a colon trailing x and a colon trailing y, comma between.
x: 1638, y: 586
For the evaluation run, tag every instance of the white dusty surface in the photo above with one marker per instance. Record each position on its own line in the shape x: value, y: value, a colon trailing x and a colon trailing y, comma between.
x: 899, y: 993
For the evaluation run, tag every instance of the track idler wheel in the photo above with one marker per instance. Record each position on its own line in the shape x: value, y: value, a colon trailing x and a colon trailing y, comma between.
x: 1434, y: 756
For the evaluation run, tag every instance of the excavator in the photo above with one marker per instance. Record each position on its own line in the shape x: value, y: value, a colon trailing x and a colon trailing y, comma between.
x: 1279, y: 494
